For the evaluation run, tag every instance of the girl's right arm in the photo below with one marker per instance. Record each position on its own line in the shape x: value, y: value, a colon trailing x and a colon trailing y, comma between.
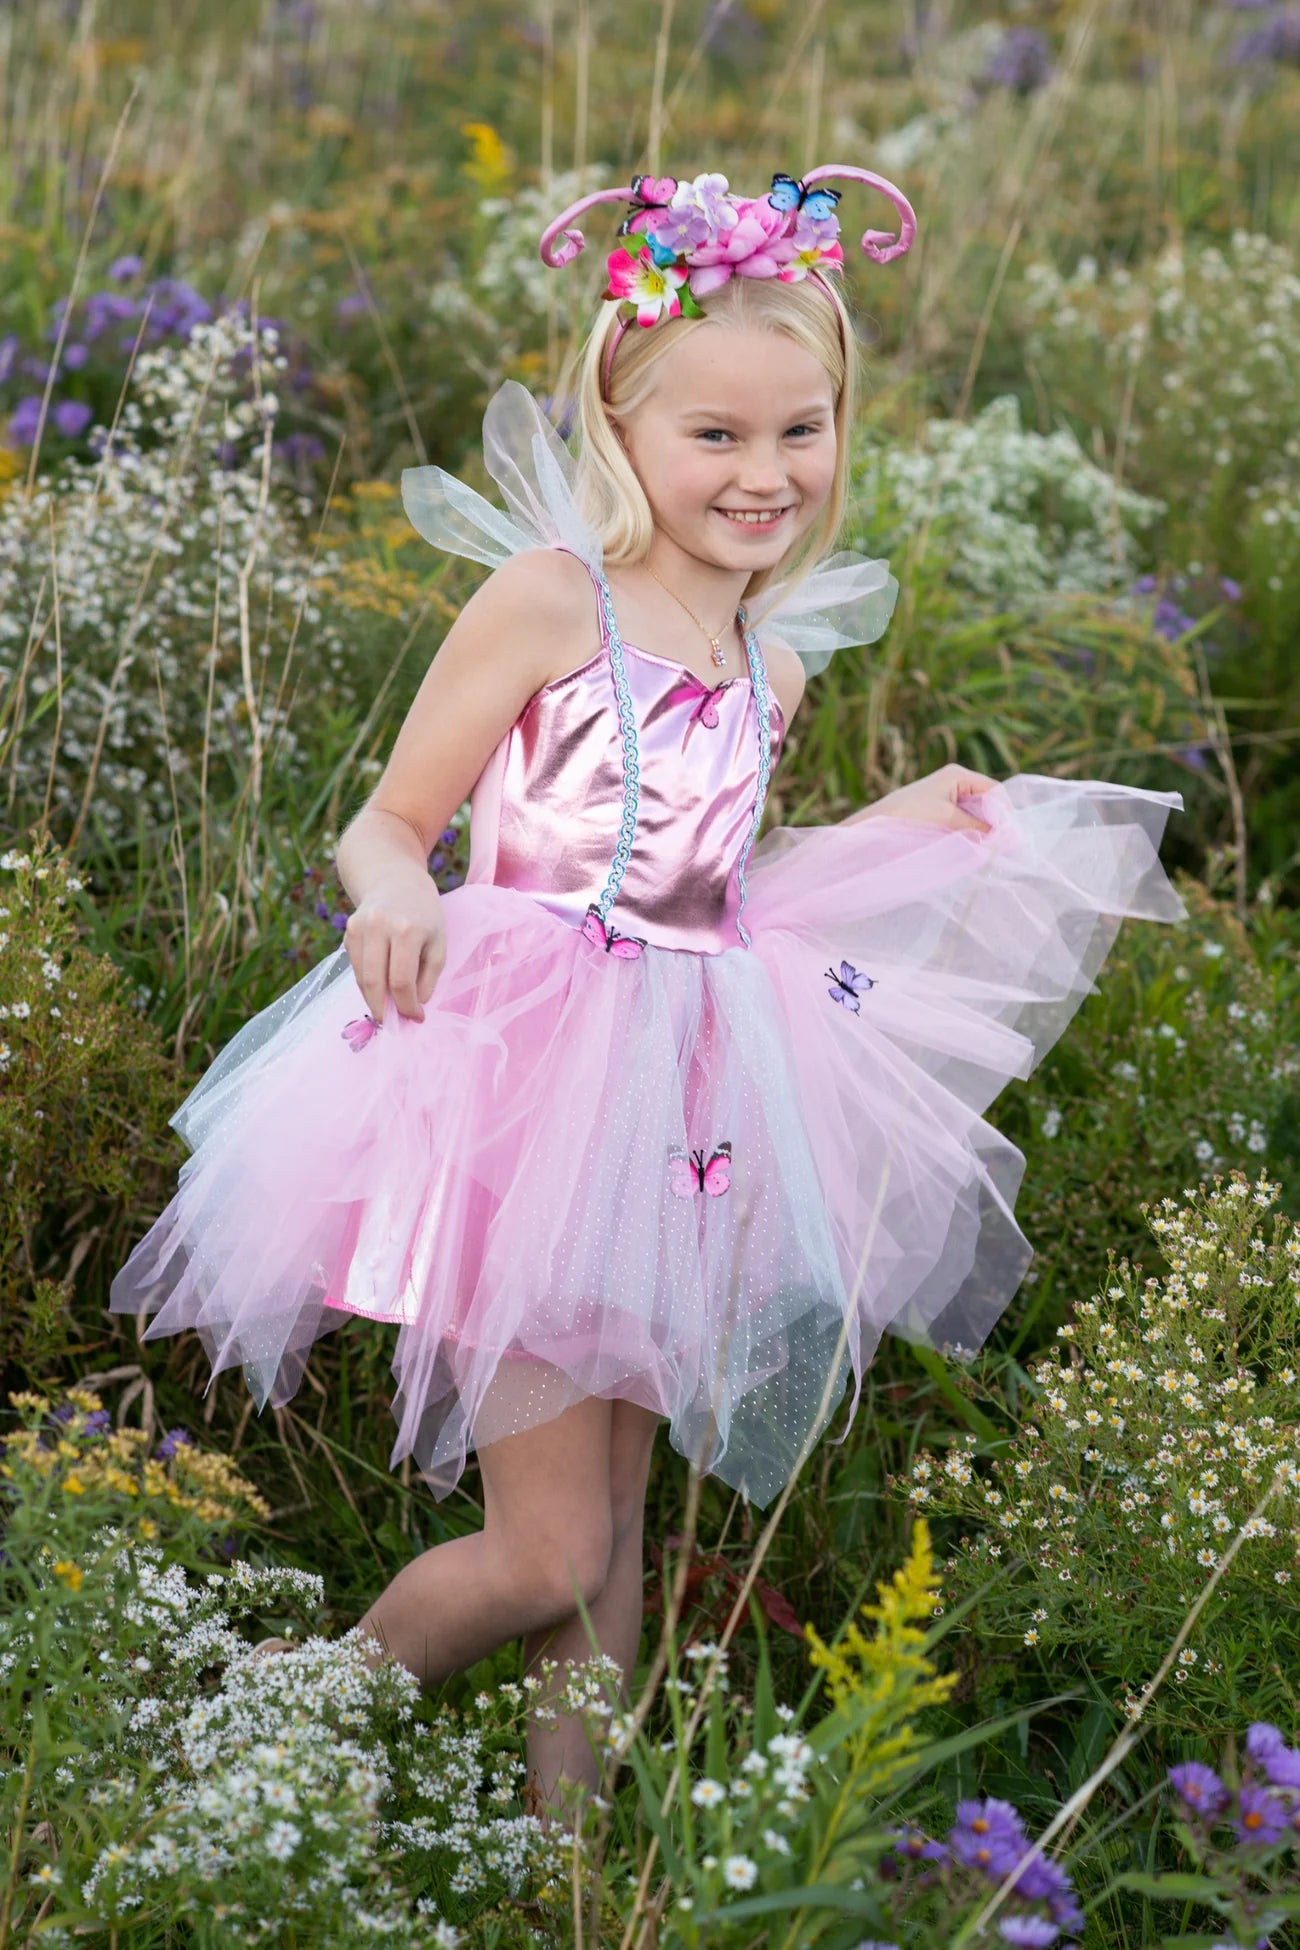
x: 524, y: 626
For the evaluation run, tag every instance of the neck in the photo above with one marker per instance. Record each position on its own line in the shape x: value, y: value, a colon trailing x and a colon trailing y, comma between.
x: 713, y: 593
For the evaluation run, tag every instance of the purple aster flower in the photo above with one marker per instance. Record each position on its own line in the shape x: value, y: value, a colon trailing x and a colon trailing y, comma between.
x: 1200, y: 1788
x: 448, y: 836
x: 1276, y: 41
x: 988, y: 1835
x: 1144, y: 586
x: 72, y: 417
x: 1263, y: 1738
x: 912, y: 1845
x: 1262, y: 1818
x: 1028, y: 1932
x: 299, y: 450
x: 338, y: 921
x: 322, y: 911
x: 173, y: 1440
x: 354, y: 305
x: 63, y: 1413
x: 1021, y: 61
x: 123, y: 268
x: 1282, y: 1766
x: 98, y: 1422
x: 1042, y: 1880
x: 1231, y: 589
x: 75, y: 355
x: 1194, y: 756
x: 24, y: 419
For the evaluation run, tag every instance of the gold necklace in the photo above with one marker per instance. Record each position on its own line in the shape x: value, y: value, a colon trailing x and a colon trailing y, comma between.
x: 715, y: 642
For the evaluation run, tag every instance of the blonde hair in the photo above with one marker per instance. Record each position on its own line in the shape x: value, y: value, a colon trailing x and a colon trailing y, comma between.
x: 607, y: 489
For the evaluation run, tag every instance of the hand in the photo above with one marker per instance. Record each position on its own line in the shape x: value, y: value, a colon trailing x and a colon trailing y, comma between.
x: 933, y: 799
x: 397, y: 941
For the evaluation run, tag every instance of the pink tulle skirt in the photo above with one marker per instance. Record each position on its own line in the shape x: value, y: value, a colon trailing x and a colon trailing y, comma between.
x: 514, y: 1184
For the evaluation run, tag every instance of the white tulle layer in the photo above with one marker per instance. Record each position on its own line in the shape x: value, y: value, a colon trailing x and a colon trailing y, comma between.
x: 495, y: 1180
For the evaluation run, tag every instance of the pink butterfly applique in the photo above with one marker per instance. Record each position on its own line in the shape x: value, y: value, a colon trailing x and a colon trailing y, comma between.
x: 357, y: 1033
x: 705, y: 709
x: 625, y: 947
x: 690, y: 1174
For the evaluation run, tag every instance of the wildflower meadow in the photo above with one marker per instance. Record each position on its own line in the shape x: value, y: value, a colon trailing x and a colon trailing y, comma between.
x: 1018, y: 1662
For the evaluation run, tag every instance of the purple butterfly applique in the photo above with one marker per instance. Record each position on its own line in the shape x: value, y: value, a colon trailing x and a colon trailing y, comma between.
x: 850, y: 983
x: 357, y: 1033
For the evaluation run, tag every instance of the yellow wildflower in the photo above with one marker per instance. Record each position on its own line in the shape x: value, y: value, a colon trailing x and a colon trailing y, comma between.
x: 73, y: 1484
x: 72, y: 1574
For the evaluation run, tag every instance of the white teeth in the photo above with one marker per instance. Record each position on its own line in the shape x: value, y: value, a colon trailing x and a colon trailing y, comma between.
x: 753, y: 520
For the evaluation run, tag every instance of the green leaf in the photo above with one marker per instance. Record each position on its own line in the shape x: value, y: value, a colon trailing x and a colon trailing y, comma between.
x: 817, y: 1895
x: 716, y: 1758
x: 974, y: 1418
x: 651, y: 1796
x: 765, y: 1720
x: 1171, y: 1888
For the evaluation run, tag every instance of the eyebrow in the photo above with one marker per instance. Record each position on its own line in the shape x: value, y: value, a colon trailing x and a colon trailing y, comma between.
x: 721, y: 413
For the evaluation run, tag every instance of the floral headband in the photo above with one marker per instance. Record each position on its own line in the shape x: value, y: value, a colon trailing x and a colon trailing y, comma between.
x: 697, y: 235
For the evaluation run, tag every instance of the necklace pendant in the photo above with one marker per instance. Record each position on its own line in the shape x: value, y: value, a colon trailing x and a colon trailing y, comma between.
x: 719, y: 654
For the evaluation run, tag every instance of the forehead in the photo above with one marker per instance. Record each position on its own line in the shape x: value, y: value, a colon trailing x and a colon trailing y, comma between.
x: 740, y: 371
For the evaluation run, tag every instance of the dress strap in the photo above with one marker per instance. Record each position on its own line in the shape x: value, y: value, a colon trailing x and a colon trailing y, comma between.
x: 612, y: 644
x: 763, y: 705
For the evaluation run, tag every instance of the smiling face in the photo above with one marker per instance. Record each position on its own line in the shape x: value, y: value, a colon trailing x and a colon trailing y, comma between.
x: 740, y: 423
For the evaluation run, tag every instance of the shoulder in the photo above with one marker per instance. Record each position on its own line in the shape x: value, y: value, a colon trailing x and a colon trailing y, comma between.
x: 549, y: 580
x: 539, y: 603
x: 785, y: 673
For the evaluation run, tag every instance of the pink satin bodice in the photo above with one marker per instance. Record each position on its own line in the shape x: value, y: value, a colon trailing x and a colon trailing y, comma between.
x: 544, y: 814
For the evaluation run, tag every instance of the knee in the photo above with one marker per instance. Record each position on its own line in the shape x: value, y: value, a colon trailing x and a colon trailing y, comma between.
x: 561, y: 1568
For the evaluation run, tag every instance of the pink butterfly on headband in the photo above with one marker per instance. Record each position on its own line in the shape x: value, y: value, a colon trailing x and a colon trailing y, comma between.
x: 357, y: 1033
x: 691, y: 1175
x: 625, y: 947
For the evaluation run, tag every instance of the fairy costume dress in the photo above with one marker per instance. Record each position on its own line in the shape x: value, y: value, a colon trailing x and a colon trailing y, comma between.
x: 690, y: 1120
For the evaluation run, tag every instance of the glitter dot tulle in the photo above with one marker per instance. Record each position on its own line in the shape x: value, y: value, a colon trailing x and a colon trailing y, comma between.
x: 688, y: 1121
x: 497, y: 1180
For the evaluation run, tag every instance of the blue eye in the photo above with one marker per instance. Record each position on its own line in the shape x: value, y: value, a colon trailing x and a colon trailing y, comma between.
x: 707, y: 433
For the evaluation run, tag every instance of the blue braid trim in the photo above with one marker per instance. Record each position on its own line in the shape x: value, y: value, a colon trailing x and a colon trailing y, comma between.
x: 758, y: 678
x: 631, y: 760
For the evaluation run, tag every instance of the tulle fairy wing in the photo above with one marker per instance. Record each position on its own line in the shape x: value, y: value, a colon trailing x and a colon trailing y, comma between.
x: 846, y: 600
x: 533, y: 469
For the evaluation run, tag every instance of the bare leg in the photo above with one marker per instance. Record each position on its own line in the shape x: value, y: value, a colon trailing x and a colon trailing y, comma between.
x: 562, y: 1750
x: 547, y: 1525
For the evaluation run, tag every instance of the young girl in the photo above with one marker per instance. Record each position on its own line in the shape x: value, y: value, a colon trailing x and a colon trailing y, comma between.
x: 645, y: 1122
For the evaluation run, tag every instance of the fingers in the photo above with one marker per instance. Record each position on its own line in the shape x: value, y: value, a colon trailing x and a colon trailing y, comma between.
x: 368, y: 954
x: 432, y: 958
x: 393, y: 957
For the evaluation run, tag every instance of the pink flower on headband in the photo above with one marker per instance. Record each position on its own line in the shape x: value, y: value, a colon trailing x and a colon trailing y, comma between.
x: 652, y: 287
x: 816, y: 246
x: 754, y: 247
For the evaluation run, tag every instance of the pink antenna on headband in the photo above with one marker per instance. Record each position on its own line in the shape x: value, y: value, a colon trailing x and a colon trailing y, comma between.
x: 879, y: 245
x: 573, y: 240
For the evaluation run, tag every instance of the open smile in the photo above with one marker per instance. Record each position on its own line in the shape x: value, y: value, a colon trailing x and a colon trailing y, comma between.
x: 756, y: 518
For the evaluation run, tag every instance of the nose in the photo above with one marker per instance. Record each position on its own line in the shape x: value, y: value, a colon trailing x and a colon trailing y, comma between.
x: 762, y: 471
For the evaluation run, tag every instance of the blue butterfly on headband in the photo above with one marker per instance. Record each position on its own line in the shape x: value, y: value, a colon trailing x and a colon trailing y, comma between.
x: 850, y: 983
x: 788, y: 193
